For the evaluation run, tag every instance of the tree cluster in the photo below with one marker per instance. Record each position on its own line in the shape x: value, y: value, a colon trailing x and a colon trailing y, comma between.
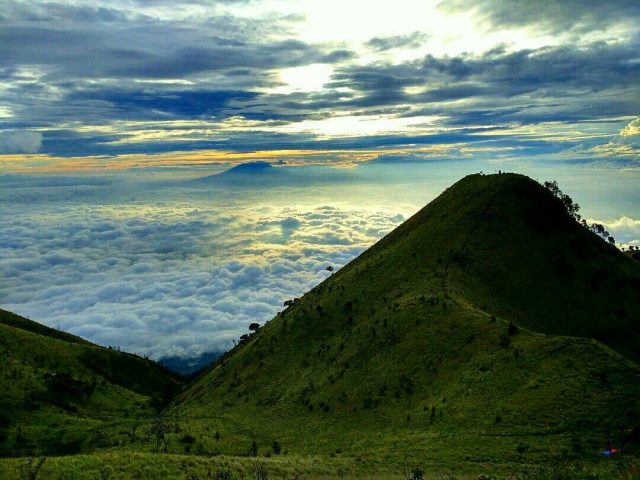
x: 572, y: 208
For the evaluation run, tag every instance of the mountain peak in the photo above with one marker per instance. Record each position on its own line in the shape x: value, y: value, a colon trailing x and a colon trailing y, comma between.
x: 481, y: 317
x: 508, y: 246
x: 241, y: 175
x: 250, y: 167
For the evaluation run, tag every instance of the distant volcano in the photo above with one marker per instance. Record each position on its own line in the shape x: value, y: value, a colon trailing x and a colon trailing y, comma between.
x: 250, y: 167
x: 244, y: 174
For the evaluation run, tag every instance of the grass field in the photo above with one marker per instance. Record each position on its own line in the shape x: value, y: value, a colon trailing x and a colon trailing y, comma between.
x: 127, y: 465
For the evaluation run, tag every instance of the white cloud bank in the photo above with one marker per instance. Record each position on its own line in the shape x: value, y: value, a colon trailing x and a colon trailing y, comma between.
x: 171, y: 277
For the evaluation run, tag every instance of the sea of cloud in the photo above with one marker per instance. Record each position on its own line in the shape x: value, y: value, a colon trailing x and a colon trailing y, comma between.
x: 169, y: 276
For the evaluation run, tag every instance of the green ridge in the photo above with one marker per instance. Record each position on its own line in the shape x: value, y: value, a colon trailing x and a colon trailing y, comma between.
x: 473, y: 331
x: 60, y: 393
x: 13, y: 320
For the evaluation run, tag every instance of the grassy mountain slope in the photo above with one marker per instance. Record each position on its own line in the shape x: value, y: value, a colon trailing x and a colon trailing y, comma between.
x: 502, y: 244
x: 543, y: 271
x: 13, y: 320
x: 448, y: 340
x: 60, y: 393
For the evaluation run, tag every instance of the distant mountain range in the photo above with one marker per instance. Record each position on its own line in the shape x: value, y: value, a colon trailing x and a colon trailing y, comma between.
x: 190, y: 366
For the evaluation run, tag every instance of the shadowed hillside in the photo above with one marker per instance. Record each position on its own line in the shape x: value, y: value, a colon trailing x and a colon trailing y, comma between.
x: 60, y: 392
x: 471, y: 332
x: 507, y: 247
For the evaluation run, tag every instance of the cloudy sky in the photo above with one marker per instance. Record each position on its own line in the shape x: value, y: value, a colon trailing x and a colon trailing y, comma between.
x: 372, y: 108
x: 175, y: 83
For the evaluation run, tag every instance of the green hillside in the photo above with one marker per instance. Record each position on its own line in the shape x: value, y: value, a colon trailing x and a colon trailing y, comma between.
x: 473, y: 333
x: 61, y: 394
x: 489, y: 333
x: 13, y: 320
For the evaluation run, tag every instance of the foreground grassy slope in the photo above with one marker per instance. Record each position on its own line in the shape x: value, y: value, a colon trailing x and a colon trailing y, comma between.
x: 147, y: 466
x: 450, y: 340
x: 60, y: 393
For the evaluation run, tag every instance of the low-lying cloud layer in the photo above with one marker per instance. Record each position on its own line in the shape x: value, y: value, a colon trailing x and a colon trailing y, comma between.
x: 172, y: 277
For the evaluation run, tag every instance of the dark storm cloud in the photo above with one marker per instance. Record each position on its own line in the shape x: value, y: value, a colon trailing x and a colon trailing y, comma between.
x: 561, y: 83
x: 553, y: 15
x: 67, y: 143
x: 12, y: 11
x: 502, y: 88
x: 68, y: 44
x: 70, y: 143
x: 69, y: 63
